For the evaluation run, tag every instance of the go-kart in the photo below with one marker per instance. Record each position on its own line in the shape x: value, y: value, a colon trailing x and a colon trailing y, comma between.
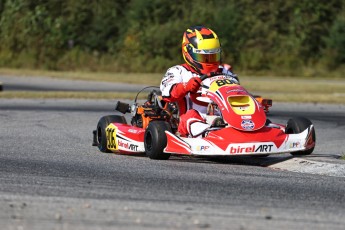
x: 244, y: 128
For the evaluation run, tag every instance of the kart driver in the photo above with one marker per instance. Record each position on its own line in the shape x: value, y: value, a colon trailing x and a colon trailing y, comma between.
x: 201, y: 51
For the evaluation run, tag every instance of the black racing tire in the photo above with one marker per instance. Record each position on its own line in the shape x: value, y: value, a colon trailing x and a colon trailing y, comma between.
x: 297, y: 125
x: 155, y: 140
x: 101, y: 132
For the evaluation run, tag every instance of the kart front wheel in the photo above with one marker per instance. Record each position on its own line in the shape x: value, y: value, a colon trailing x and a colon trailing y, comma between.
x: 297, y: 125
x: 155, y: 140
x: 101, y: 132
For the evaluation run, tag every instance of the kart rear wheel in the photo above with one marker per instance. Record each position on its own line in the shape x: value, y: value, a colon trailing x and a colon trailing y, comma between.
x: 101, y: 132
x: 155, y: 140
x: 297, y: 125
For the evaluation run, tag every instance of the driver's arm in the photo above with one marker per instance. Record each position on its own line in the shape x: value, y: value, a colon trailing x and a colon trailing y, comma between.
x: 173, y: 88
x: 227, y: 70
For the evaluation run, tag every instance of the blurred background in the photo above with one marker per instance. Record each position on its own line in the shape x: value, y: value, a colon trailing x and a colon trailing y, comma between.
x: 285, y: 38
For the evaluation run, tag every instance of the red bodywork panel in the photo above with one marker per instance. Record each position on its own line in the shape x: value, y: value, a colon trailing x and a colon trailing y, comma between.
x: 223, y: 137
x: 246, y: 115
x: 131, y: 132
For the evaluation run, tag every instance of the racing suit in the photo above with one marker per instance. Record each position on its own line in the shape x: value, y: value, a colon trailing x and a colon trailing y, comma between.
x: 175, y: 88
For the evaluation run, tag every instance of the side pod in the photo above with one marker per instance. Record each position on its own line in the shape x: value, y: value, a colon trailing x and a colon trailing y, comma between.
x: 176, y: 145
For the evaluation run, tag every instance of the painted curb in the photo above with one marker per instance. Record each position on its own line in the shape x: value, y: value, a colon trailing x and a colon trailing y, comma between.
x: 313, y: 167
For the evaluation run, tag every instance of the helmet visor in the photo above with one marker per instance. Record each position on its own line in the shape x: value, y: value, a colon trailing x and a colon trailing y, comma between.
x: 206, y: 56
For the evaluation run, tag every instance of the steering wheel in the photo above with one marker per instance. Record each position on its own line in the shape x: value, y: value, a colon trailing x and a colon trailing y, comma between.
x: 213, y: 74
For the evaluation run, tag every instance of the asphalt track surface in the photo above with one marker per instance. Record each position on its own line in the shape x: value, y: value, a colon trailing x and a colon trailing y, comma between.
x: 52, y: 178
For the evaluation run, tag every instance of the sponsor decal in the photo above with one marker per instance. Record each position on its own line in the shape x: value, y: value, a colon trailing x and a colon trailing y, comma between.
x: 127, y: 145
x: 169, y: 75
x: 295, y: 145
x: 212, y: 79
x: 202, y: 148
x: 167, y: 81
x: 255, y: 148
x: 167, y: 78
x: 247, y: 124
x: 211, y: 51
x: 132, y: 131
x: 235, y: 90
x: 246, y: 117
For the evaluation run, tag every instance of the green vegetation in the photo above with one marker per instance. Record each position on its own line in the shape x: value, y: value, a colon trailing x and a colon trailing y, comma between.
x: 259, y: 37
x: 342, y: 156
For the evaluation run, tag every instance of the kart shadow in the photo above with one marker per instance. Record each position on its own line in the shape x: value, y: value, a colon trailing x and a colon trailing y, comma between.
x: 235, y: 160
x: 253, y: 160
x: 260, y: 161
x: 331, y: 158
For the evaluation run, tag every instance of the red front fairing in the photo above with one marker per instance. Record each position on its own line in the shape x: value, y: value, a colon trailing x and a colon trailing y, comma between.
x: 223, y: 137
x: 239, y: 109
x: 230, y: 141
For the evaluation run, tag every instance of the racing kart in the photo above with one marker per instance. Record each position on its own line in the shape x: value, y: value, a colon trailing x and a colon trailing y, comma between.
x: 244, y: 128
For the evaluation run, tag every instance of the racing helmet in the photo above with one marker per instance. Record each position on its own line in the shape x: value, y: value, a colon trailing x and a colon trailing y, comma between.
x: 201, y: 49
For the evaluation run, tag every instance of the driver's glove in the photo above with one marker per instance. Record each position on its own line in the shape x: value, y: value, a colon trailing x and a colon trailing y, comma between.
x: 227, y: 70
x: 193, y: 84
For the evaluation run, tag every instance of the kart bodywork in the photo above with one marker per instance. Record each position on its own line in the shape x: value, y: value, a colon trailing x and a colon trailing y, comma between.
x: 245, y: 131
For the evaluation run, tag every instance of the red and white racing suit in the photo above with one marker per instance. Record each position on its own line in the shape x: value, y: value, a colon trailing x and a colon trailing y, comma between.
x: 192, y: 112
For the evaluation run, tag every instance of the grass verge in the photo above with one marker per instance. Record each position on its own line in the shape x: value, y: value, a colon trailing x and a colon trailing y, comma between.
x: 131, y: 78
x: 70, y: 94
x: 280, y: 89
x: 282, y: 97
